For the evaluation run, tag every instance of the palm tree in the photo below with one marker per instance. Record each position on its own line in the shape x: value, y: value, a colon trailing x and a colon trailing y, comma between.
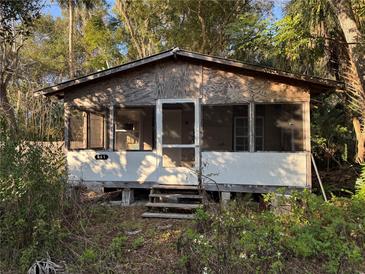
x: 337, y: 23
x: 355, y: 70
x: 71, y: 6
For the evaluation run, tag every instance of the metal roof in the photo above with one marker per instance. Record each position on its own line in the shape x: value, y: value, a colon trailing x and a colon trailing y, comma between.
x: 58, y: 89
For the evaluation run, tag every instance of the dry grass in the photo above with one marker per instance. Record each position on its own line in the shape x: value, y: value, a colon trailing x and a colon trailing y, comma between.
x: 151, y: 245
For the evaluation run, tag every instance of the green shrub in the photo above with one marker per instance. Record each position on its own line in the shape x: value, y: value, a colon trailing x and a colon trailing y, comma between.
x: 117, y: 245
x: 88, y: 257
x: 315, y: 236
x: 31, y: 198
x: 138, y: 242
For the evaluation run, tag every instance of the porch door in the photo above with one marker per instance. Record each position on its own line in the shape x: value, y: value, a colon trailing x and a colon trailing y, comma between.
x: 178, y: 128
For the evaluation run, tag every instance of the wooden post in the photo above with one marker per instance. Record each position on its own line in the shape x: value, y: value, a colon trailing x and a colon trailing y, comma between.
x: 307, y: 128
x: 159, y: 131
x: 307, y: 141
x: 66, y: 110
x: 319, y: 179
x: 127, y: 196
x: 197, y: 135
x: 251, y: 126
x: 85, y: 130
x: 111, y: 127
x: 225, y: 198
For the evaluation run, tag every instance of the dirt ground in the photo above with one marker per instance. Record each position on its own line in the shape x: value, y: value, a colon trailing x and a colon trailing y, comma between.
x: 151, y: 245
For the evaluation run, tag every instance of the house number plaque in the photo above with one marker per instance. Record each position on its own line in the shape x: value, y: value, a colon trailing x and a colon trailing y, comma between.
x: 101, y: 157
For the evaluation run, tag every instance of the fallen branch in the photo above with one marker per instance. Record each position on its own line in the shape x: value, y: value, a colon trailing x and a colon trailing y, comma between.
x: 46, y: 266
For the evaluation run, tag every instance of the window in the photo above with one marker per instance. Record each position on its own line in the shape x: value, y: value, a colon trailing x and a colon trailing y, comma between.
x: 178, y: 131
x: 134, y: 129
x: 241, y: 139
x: 77, y: 129
x: 178, y: 123
x: 96, y: 130
x: 225, y: 128
x: 279, y: 127
x: 86, y: 130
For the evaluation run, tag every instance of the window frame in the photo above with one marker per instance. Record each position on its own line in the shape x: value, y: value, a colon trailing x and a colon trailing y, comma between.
x: 103, y: 114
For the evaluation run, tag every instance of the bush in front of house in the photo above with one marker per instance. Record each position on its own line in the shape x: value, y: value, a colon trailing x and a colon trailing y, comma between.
x: 313, y: 237
x: 32, y: 185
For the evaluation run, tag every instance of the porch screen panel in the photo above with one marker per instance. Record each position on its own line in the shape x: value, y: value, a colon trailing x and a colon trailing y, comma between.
x: 217, y: 128
x: 77, y: 129
x: 178, y: 123
x: 96, y: 131
x: 225, y: 128
x: 134, y: 129
x: 279, y: 127
x: 241, y: 135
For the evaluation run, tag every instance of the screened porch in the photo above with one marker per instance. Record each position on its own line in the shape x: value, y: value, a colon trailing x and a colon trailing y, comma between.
x: 245, y: 144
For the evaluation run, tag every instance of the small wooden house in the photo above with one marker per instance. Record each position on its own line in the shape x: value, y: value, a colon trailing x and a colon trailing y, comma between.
x: 167, y: 118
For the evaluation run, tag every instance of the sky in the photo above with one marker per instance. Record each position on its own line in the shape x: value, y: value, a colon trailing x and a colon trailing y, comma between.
x: 53, y: 8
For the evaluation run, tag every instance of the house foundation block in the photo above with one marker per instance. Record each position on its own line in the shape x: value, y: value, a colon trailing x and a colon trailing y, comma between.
x: 225, y: 198
x: 279, y: 204
x: 127, y: 197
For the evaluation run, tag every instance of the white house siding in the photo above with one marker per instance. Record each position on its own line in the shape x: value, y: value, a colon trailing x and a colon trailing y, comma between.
x: 258, y: 168
x: 240, y: 168
x: 129, y: 166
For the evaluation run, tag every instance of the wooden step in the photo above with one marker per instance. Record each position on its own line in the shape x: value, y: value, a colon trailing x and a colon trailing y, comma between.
x: 167, y: 215
x: 177, y: 187
x: 174, y: 205
x: 176, y: 195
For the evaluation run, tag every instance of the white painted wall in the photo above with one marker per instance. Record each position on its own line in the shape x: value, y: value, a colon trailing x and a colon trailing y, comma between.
x: 126, y: 166
x: 258, y: 168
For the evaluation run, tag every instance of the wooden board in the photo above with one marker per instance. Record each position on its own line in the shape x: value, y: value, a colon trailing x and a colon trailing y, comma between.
x: 166, y: 80
x: 225, y: 87
x: 183, y: 80
x: 175, y: 187
x: 174, y: 205
x: 168, y: 215
x: 178, y: 196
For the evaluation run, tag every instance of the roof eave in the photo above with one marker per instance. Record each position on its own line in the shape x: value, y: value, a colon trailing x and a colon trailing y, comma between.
x: 306, y: 78
x: 58, y: 89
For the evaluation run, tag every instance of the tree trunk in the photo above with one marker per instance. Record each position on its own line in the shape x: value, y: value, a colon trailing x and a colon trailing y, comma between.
x: 71, y: 57
x: 355, y: 72
x: 122, y: 8
x: 203, y: 28
x: 352, y: 35
x: 360, y: 137
x: 8, y: 111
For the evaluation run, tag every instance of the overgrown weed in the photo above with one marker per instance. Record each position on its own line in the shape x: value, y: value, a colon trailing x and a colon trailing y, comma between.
x: 320, y: 237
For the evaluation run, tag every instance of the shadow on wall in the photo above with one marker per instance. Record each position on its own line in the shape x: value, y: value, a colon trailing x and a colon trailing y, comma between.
x: 261, y: 168
x: 172, y: 79
x: 124, y: 166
